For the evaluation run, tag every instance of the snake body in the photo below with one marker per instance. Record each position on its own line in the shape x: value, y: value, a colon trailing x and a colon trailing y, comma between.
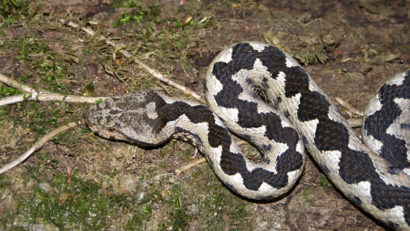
x: 264, y: 96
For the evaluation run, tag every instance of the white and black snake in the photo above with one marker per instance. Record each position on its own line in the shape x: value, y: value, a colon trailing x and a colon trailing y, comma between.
x: 264, y: 96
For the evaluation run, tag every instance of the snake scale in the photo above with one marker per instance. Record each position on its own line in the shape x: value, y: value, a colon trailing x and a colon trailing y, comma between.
x: 264, y: 96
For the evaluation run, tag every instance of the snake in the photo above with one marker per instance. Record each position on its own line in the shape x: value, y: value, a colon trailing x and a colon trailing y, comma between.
x: 264, y: 96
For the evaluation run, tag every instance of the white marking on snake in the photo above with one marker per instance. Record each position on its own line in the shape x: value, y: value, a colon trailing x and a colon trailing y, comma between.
x: 310, y: 125
x: 265, y: 188
x: 258, y: 46
x: 374, y: 105
x: 285, y: 123
x: 333, y: 157
x: 313, y: 86
x: 237, y: 178
x: 290, y: 61
x: 150, y: 109
x: 396, y: 128
x: 397, y: 211
x: 373, y: 143
x: 233, y: 113
x: 354, y: 143
x: 215, y: 86
x: 217, y: 154
x: 226, y: 56
x: 280, y: 82
x: 396, y: 80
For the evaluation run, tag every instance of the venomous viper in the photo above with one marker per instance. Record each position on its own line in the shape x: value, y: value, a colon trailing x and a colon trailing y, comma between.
x: 264, y: 96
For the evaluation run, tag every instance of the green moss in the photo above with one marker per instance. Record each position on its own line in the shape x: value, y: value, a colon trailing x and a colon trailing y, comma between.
x: 161, y: 39
x: 4, y: 182
x: 136, y: 13
x: 177, y: 214
x: 89, y: 89
x: 11, y: 10
x: 42, y: 118
x: 7, y: 91
x: 50, y: 68
x: 76, y: 204
x: 305, y: 193
x: 28, y: 46
x: 136, y: 222
x: 68, y: 204
x: 323, y: 181
x: 215, y: 202
x: 308, y: 56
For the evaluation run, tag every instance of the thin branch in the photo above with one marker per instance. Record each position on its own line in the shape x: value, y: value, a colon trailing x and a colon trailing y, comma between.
x: 352, y: 112
x: 350, y: 109
x: 355, y: 122
x: 49, y: 97
x: 11, y: 100
x: 40, y: 95
x: 17, y: 85
x: 33, y: 94
x: 190, y: 165
x: 153, y: 72
x: 37, y: 146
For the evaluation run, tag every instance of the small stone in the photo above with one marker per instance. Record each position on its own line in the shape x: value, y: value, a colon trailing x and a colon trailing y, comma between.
x: 46, y: 187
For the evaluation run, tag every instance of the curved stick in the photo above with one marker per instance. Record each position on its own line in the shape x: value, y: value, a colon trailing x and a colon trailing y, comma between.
x: 37, y: 146
x: 153, y: 72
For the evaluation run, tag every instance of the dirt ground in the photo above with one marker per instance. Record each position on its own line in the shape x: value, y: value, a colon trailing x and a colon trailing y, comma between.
x: 79, y: 181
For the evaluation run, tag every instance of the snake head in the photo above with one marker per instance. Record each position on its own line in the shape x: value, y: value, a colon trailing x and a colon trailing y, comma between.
x: 133, y: 118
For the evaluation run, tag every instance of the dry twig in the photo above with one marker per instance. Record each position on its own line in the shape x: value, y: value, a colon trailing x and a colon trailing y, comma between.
x: 190, y: 165
x: 153, y: 72
x: 33, y: 94
x: 349, y: 108
x: 355, y: 122
x: 352, y: 112
x: 37, y: 146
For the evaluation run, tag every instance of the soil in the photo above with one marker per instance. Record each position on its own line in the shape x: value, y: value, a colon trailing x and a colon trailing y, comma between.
x: 349, y: 48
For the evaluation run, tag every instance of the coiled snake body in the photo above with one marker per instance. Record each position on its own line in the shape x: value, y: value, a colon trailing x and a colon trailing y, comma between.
x: 264, y: 96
